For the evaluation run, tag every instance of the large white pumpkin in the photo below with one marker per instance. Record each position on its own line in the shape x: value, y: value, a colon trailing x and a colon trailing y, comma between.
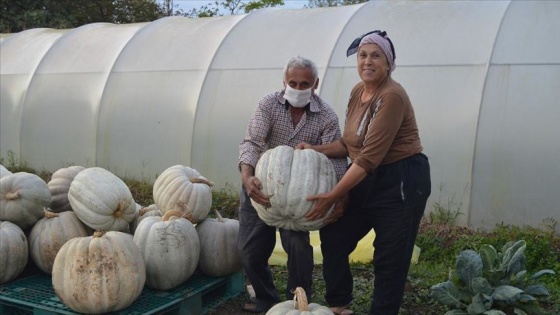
x: 22, y: 198
x: 99, y: 274
x: 59, y: 186
x: 170, y: 247
x: 219, y: 255
x: 183, y: 184
x: 49, y: 234
x: 289, y: 176
x: 13, y: 251
x: 102, y: 200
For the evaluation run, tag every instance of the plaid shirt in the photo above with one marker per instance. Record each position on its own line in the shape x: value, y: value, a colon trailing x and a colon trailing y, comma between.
x: 271, y: 126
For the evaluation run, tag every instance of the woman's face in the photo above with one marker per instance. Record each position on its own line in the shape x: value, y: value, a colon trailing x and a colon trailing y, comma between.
x: 372, y: 64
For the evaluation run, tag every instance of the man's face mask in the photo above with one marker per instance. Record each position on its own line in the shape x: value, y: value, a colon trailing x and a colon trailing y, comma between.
x: 297, y: 98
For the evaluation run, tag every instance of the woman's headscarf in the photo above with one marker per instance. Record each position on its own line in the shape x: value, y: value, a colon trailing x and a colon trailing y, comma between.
x: 375, y: 37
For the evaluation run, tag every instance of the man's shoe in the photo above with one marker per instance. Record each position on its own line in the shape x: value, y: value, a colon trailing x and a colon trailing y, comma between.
x: 256, y: 306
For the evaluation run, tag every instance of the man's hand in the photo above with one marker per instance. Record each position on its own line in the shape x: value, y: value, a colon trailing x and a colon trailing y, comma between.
x: 253, y: 186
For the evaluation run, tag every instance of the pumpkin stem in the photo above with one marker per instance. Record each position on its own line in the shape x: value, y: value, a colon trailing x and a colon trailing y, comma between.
x: 198, y: 180
x: 49, y: 214
x: 120, y: 209
x: 185, y: 210
x: 143, y: 210
x: 219, y: 216
x: 12, y: 195
x: 171, y: 213
x: 300, y: 299
x: 99, y: 233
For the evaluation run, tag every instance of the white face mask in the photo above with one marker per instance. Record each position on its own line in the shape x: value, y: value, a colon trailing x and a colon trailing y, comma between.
x: 298, y: 98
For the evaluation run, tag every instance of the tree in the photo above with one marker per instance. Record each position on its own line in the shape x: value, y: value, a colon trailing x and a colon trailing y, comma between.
x: 331, y: 3
x: 231, y: 7
x: 16, y: 16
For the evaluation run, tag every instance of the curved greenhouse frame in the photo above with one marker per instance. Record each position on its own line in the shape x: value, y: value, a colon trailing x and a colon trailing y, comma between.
x: 136, y: 99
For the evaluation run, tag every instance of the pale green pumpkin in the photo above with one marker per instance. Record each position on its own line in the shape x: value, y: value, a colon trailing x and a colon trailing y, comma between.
x: 23, y: 196
x: 289, y: 176
x: 102, y: 200
x: 182, y: 184
x: 4, y: 171
x: 219, y: 255
x: 13, y: 251
x: 170, y: 247
x: 142, y: 213
x: 99, y: 274
x: 50, y: 233
x: 299, y: 306
x: 59, y: 186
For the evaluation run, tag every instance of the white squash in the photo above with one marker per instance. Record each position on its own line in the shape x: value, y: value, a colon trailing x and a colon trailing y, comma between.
x: 289, y: 176
x: 22, y: 199
x: 170, y: 247
x: 59, y: 186
x: 13, y: 251
x: 4, y: 171
x: 49, y: 234
x: 183, y: 184
x: 299, y: 306
x: 99, y: 274
x: 143, y: 212
x: 219, y: 255
x: 102, y: 200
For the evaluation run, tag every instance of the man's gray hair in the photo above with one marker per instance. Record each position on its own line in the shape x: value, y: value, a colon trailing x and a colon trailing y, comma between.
x: 300, y: 62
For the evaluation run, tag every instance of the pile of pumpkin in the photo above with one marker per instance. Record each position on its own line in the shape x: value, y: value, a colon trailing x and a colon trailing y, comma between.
x: 85, y: 229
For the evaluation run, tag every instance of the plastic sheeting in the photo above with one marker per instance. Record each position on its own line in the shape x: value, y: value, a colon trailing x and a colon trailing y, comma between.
x: 139, y: 98
x: 363, y: 252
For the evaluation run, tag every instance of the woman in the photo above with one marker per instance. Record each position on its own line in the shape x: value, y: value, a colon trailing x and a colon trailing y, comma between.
x: 387, y: 184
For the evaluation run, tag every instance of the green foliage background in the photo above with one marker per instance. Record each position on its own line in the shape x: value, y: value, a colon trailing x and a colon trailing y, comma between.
x: 17, y: 16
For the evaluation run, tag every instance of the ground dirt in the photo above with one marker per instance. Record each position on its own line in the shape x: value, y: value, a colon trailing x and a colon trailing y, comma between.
x: 233, y: 306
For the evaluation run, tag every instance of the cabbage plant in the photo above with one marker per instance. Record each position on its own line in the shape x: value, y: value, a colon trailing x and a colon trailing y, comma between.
x: 492, y: 283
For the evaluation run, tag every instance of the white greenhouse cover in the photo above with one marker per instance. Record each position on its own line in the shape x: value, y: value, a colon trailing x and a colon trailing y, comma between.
x: 483, y: 77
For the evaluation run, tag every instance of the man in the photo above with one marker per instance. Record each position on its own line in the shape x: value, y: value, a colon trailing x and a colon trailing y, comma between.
x: 287, y: 117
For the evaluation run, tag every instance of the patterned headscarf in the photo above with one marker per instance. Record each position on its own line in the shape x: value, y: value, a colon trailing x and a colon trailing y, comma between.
x: 376, y: 37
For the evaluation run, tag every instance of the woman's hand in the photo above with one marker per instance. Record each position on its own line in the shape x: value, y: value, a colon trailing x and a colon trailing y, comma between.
x: 323, y: 202
x: 253, y: 186
x: 338, y: 211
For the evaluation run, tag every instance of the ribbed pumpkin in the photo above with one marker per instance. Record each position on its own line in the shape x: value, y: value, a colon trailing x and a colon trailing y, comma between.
x: 289, y: 176
x: 13, y: 251
x: 170, y: 247
x: 219, y: 255
x: 102, y: 200
x: 185, y: 184
x: 299, y: 306
x: 99, y: 274
x: 143, y: 212
x: 4, y: 171
x: 22, y: 198
x: 50, y: 233
x: 59, y: 186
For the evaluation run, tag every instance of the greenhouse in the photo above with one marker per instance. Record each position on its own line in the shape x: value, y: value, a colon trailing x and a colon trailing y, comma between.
x: 138, y: 98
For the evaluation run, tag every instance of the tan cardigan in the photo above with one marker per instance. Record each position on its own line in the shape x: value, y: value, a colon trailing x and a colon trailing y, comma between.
x: 382, y: 130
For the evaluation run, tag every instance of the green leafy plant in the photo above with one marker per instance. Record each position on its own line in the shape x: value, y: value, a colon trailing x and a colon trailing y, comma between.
x: 492, y: 283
